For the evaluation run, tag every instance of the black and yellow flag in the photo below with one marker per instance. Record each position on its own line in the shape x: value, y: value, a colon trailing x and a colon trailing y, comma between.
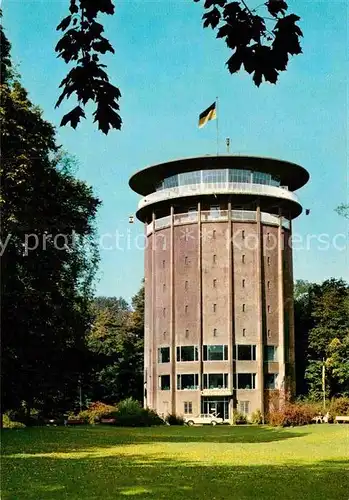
x: 207, y: 115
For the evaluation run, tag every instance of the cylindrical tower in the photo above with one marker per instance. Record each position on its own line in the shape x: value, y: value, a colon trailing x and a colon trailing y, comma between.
x: 218, y: 282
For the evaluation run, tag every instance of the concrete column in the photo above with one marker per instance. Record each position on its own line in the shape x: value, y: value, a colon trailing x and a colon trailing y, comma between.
x: 260, y: 311
x: 152, y: 354
x: 172, y: 318
x: 201, y: 307
x: 281, y: 318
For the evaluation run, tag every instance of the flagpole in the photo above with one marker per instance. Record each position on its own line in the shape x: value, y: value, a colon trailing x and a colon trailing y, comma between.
x: 217, y: 127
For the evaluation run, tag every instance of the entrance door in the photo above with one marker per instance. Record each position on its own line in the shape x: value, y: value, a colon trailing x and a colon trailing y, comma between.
x: 218, y: 406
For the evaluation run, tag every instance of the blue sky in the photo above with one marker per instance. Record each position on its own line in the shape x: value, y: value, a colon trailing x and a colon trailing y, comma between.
x: 169, y: 69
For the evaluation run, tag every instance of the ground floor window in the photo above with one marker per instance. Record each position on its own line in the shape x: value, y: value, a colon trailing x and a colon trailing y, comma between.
x: 188, y: 407
x: 244, y: 407
x: 245, y: 380
x: 189, y: 381
x: 215, y: 380
x: 164, y: 382
x: 270, y: 380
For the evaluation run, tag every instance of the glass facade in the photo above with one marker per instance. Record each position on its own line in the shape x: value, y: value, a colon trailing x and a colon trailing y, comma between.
x: 218, y: 176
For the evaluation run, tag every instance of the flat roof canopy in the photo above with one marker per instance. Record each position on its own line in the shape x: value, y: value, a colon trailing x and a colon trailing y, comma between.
x: 292, y: 175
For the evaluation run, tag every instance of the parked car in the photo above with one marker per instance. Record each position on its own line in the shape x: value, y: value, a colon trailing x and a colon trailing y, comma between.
x: 205, y: 418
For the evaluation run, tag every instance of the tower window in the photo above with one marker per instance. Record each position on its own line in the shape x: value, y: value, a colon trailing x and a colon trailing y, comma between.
x: 243, y: 307
x: 243, y: 258
x: 245, y: 380
x: 215, y: 353
x: 269, y: 353
x: 164, y: 312
x: 186, y: 260
x: 243, y: 283
x: 164, y: 335
x: 245, y: 352
x: 186, y: 334
x: 163, y: 264
x: 214, y: 234
x: 163, y: 355
x: 268, y: 261
x: 244, y: 332
x: 268, y: 309
x: 214, y: 258
x: 189, y: 381
x: 164, y: 382
x: 187, y: 353
x: 163, y: 287
x: 186, y: 309
x: 214, y: 283
x: 243, y: 234
x: 269, y: 333
x: 215, y: 332
x: 268, y: 284
x: 186, y: 285
x: 270, y: 380
x: 214, y: 308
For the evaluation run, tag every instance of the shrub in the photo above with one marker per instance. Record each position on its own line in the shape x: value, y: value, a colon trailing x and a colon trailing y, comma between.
x: 276, y: 418
x: 238, y: 418
x: 339, y: 407
x: 10, y: 424
x: 131, y: 414
x: 174, y: 419
x: 291, y: 414
x: 257, y: 417
x: 95, y: 412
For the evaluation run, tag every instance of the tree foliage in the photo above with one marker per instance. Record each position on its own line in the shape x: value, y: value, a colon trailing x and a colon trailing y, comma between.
x: 261, y: 45
x: 263, y: 51
x: 48, y: 257
x: 83, y: 43
x: 322, y: 337
x: 116, y: 345
x: 343, y: 210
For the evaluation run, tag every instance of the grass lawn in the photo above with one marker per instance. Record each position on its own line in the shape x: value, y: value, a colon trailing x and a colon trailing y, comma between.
x: 175, y: 463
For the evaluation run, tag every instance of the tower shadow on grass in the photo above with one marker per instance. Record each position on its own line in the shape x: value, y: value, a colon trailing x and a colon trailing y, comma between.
x: 57, y: 439
x: 145, y: 478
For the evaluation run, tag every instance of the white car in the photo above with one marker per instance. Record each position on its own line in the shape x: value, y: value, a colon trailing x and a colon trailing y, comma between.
x: 207, y: 418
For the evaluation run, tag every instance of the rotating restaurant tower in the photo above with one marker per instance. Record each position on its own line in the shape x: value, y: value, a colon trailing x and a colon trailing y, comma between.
x: 219, y: 327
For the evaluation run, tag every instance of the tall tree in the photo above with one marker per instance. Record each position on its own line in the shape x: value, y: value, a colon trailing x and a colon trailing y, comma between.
x: 116, y: 346
x: 48, y: 257
x: 303, y: 324
x: 328, y: 338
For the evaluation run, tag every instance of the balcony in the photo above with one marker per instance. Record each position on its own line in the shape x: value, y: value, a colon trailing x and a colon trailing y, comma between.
x: 217, y: 392
x: 215, y: 216
x: 217, y: 188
